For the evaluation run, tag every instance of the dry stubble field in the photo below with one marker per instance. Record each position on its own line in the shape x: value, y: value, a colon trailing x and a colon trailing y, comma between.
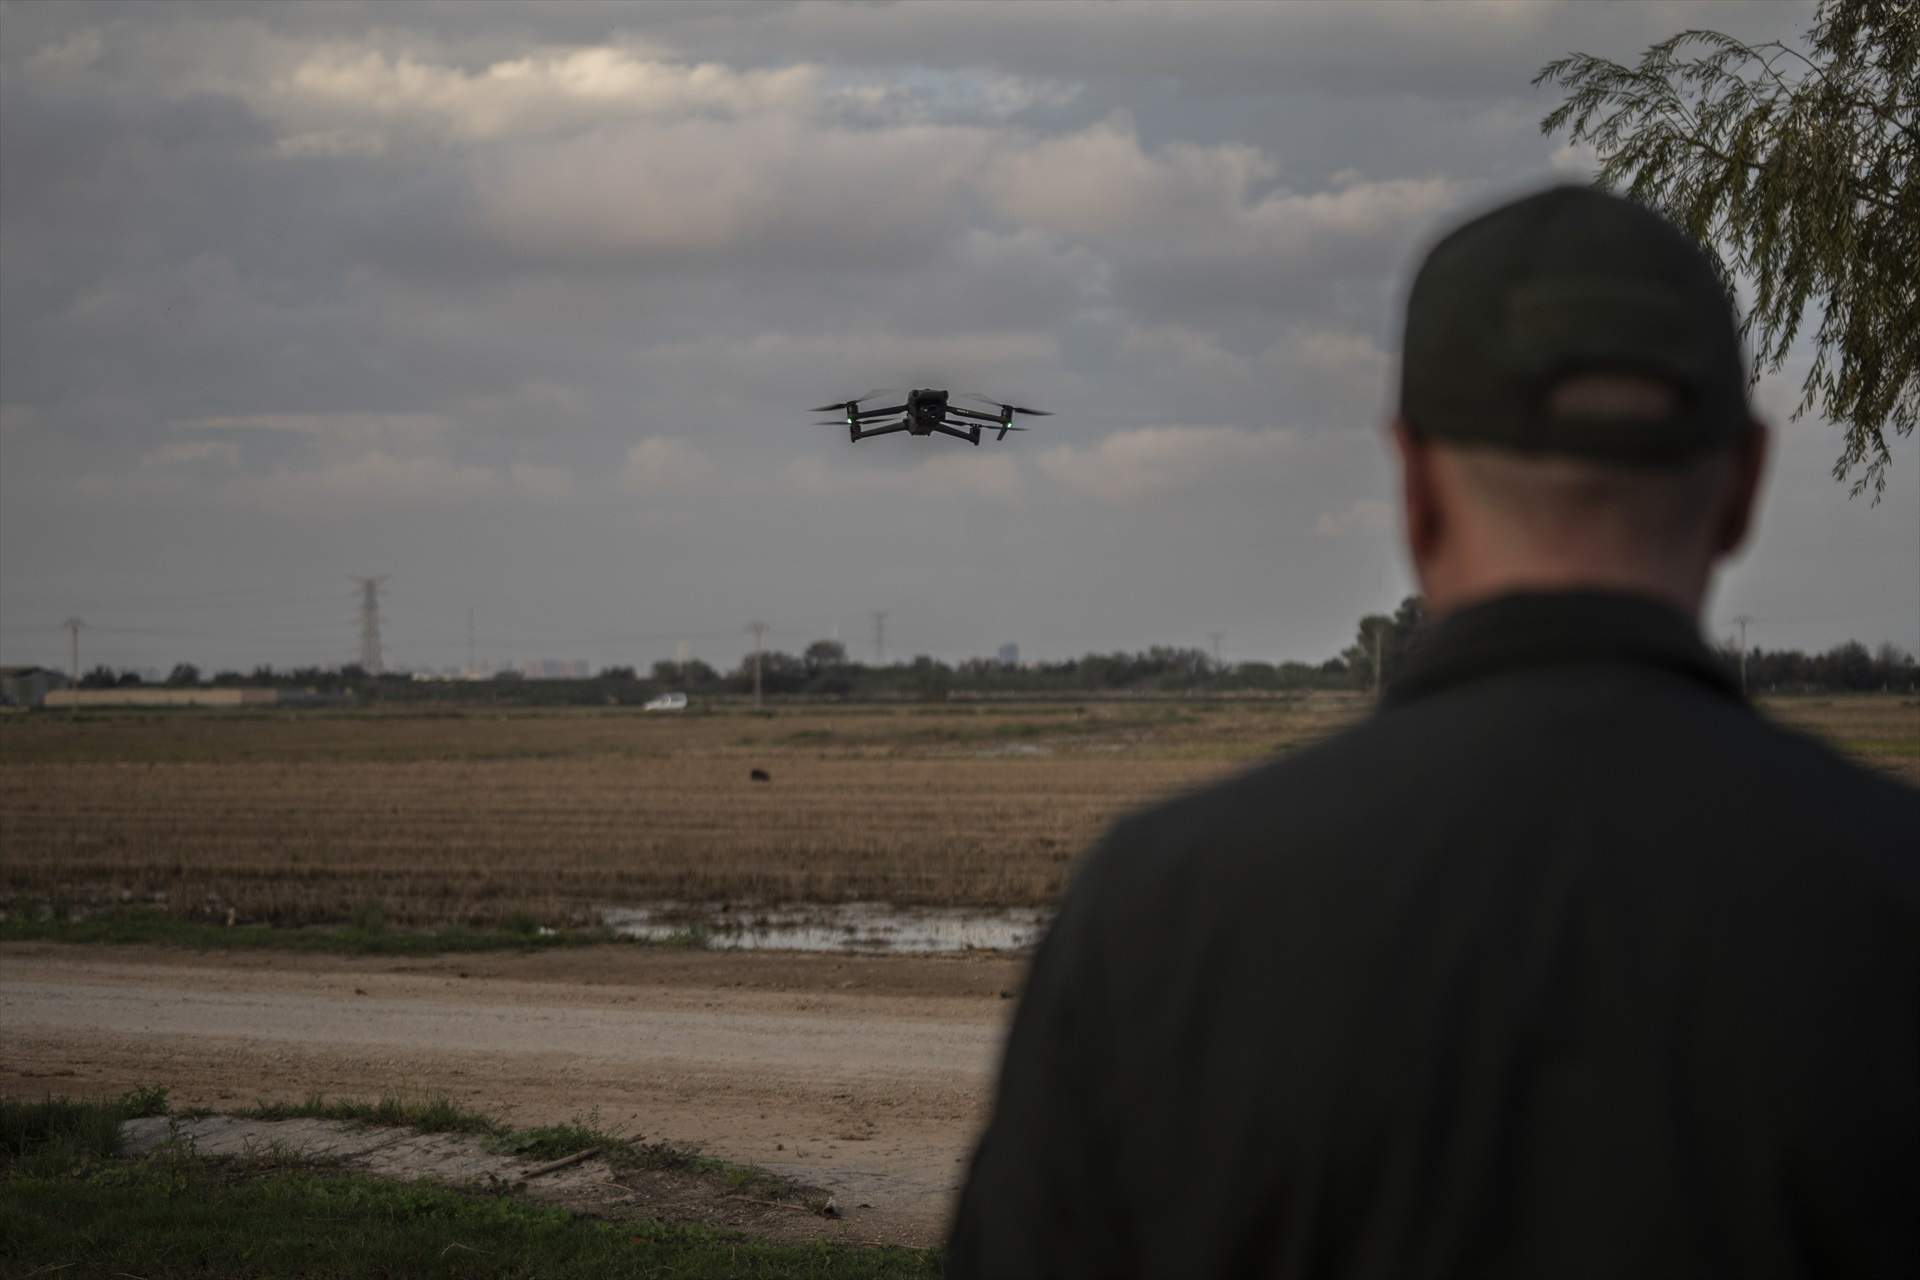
x: 483, y: 816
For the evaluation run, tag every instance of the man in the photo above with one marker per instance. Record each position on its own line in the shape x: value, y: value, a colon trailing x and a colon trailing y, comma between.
x: 1565, y: 963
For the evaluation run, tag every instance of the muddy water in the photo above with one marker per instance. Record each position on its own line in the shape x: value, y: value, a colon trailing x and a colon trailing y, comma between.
x: 868, y: 927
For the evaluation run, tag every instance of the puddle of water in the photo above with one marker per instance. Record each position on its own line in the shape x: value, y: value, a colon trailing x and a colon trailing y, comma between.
x: 868, y: 927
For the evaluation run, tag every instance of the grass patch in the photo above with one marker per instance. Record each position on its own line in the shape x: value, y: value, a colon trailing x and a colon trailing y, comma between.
x: 159, y: 1223
x: 551, y: 1142
x: 67, y: 1207
x: 693, y: 937
x: 434, y: 1114
x: 368, y: 934
x: 61, y: 1133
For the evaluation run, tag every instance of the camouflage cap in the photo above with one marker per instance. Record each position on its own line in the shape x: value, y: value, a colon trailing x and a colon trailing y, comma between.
x: 1568, y: 282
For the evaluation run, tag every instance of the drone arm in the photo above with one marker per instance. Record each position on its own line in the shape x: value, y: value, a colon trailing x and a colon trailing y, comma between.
x: 864, y: 414
x: 955, y: 412
x: 862, y: 434
x: 971, y: 436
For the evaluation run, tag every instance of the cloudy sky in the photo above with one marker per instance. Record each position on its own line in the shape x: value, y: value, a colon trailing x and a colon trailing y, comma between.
x: 522, y: 305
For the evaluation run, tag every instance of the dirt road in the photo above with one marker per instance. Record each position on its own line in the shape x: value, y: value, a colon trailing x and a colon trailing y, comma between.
x: 867, y: 1076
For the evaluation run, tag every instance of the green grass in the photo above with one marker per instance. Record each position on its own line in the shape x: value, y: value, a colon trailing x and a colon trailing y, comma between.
x: 69, y: 1208
x: 61, y: 1133
x: 368, y: 934
x: 434, y: 1114
x: 153, y: 1221
x: 551, y: 1142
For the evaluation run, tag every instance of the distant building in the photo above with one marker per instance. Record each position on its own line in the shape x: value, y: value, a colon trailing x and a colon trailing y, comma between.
x: 28, y: 686
x: 1009, y: 655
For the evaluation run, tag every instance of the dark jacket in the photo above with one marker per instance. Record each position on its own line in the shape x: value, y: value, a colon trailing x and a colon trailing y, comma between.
x: 1565, y: 963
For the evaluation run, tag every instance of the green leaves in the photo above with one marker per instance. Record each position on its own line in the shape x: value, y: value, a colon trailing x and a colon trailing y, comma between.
x: 1795, y: 171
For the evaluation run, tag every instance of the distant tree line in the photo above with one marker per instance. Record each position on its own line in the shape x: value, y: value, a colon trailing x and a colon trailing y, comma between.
x: 1848, y: 667
x: 1382, y: 646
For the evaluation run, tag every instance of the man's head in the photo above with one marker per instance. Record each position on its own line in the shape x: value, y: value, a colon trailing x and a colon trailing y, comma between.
x: 1573, y: 407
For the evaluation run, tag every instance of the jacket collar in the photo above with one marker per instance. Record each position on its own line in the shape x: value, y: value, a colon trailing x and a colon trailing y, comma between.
x: 1546, y: 628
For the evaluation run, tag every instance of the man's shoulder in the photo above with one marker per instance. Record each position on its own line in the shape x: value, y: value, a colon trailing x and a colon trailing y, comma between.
x: 1392, y: 781
x: 1376, y: 757
x: 1309, y: 799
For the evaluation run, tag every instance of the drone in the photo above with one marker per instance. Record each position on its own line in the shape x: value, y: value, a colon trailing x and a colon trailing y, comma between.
x: 925, y: 412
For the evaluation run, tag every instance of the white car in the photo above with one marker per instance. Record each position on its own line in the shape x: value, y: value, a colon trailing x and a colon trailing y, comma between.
x: 667, y: 702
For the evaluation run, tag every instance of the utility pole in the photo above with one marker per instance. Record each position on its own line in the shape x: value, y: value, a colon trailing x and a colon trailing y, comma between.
x: 1379, y: 643
x: 880, y: 637
x: 370, y: 623
x: 73, y: 626
x: 471, y: 669
x: 1743, y: 620
x: 759, y: 630
x: 1217, y: 637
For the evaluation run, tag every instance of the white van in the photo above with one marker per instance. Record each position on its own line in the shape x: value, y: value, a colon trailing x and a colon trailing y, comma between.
x: 667, y: 702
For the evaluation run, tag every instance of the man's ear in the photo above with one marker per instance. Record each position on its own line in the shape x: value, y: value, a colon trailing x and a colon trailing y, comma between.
x: 1419, y: 503
x: 1743, y: 495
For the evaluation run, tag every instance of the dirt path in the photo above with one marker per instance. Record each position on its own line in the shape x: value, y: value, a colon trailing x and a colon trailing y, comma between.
x: 865, y: 1076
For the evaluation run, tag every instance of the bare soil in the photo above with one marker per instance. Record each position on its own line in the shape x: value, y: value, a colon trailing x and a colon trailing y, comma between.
x: 479, y: 818
x: 868, y: 1077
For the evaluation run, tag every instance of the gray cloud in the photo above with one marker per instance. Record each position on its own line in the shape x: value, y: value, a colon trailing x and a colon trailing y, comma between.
x: 523, y: 303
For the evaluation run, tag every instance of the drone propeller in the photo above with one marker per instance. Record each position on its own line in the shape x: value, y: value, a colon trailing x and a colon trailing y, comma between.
x: 855, y: 402
x: 1001, y: 404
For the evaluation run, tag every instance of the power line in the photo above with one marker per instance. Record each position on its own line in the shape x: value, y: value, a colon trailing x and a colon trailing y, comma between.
x: 759, y: 630
x: 73, y: 626
x: 370, y: 623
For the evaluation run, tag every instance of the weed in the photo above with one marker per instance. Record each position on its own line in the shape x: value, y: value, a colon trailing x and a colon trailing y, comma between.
x: 693, y: 937
x: 62, y: 1133
x: 436, y: 1113
x: 550, y: 1142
